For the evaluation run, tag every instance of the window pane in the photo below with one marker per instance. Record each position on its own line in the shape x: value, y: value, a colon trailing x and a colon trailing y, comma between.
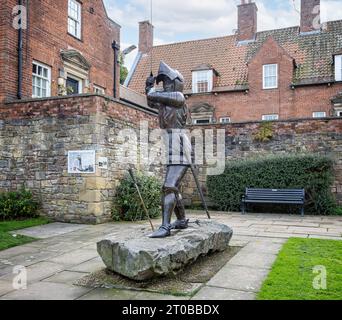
x: 34, y: 68
x: 270, y: 76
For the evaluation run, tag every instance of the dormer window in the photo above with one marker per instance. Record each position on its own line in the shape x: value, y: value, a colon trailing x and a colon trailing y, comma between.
x: 338, y: 68
x: 202, y: 81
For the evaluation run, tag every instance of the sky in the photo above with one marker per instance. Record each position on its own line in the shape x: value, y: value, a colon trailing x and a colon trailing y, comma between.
x: 182, y: 20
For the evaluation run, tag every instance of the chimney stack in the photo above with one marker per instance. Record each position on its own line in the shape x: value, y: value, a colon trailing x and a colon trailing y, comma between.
x: 145, y: 37
x: 247, y: 20
x: 310, y: 15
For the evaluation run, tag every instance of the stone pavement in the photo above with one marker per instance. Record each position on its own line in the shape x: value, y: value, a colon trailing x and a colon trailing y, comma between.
x: 67, y: 252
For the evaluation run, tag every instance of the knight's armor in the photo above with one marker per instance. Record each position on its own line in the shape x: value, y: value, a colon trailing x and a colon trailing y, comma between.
x: 173, y: 115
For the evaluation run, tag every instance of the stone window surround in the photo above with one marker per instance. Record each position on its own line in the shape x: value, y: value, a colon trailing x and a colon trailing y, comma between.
x: 76, y: 69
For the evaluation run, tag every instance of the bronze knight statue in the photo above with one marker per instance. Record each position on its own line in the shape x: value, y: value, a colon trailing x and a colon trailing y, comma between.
x: 173, y: 115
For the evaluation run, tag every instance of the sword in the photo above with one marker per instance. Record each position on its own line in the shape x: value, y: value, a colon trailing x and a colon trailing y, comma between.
x: 197, y: 183
x: 199, y: 190
x: 140, y: 196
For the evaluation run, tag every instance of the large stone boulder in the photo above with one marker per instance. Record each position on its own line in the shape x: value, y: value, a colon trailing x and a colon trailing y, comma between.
x: 139, y: 257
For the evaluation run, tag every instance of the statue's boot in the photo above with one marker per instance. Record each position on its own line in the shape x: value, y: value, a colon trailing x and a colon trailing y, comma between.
x: 181, y: 223
x: 162, y: 232
x: 168, y: 204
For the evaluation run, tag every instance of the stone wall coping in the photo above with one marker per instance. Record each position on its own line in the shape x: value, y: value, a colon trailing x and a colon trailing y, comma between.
x: 298, y: 120
x: 147, y: 110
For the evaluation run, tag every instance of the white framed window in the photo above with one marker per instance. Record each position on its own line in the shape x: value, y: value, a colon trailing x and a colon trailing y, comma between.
x: 338, y: 68
x: 202, y: 81
x: 270, y: 117
x: 41, y: 80
x: 270, y: 76
x: 98, y: 89
x: 202, y: 121
x: 319, y: 114
x: 339, y: 113
x: 74, y: 18
x: 225, y: 120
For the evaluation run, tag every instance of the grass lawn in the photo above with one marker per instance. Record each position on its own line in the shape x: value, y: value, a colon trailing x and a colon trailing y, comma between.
x: 7, y: 240
x: 292, y: 276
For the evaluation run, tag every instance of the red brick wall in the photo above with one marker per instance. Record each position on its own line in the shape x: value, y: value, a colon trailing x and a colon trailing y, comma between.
x: 84, y: 105
x: 288, y: 103
x: 247, y: 21
x: 47, y: 36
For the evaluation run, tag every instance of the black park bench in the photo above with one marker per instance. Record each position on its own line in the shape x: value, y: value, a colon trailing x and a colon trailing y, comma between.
x: 276, y: 196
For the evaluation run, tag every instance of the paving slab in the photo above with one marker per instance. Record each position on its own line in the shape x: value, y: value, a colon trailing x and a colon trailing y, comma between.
x: 90, y: 266
x: 37, y: 271
x: 253, y: 259
x: 262, y: 246
x: 67, y: 277
x: 239, y: 278
x: 47, y: 291
x: 157, y: 296
x: 317, y: 236
x: 5, y: 287
x: 75, y: 257
x: 12, y: 252
x: 109, y: 294
x: 282, y: 235
x: 50, y: 230
x: 214, y: 293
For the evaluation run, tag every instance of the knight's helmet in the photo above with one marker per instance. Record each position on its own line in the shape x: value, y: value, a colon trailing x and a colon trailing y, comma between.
x: 172, y: 74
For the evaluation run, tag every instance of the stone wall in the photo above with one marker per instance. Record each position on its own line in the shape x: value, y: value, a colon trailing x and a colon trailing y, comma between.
x: 289, y: 137
x: 35, y: 137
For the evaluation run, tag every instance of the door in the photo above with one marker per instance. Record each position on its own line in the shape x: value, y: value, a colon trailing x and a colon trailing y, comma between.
x: 73, y: 86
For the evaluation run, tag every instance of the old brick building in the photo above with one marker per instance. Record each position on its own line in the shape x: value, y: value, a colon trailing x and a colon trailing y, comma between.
x: 67, y: 48
x: 252, y: 76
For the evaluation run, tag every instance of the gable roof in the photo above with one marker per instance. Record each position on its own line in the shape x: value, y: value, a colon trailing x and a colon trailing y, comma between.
x: 312, y: 52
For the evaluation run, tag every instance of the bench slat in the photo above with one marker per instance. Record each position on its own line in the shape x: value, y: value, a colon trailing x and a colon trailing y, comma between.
x: 276, y: 196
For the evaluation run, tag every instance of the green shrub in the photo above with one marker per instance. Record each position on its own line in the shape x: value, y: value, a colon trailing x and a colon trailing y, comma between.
x: 17, y: 204
x: 338, y: 211
x: 127, y: 205
x: 313, y: 173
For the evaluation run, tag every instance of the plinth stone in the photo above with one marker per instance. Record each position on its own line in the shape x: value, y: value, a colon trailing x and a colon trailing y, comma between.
x: 138, y: 257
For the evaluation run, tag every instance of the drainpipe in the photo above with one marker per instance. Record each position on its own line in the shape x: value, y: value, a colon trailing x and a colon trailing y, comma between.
x: 20, y: 58
x: 116, y: 48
